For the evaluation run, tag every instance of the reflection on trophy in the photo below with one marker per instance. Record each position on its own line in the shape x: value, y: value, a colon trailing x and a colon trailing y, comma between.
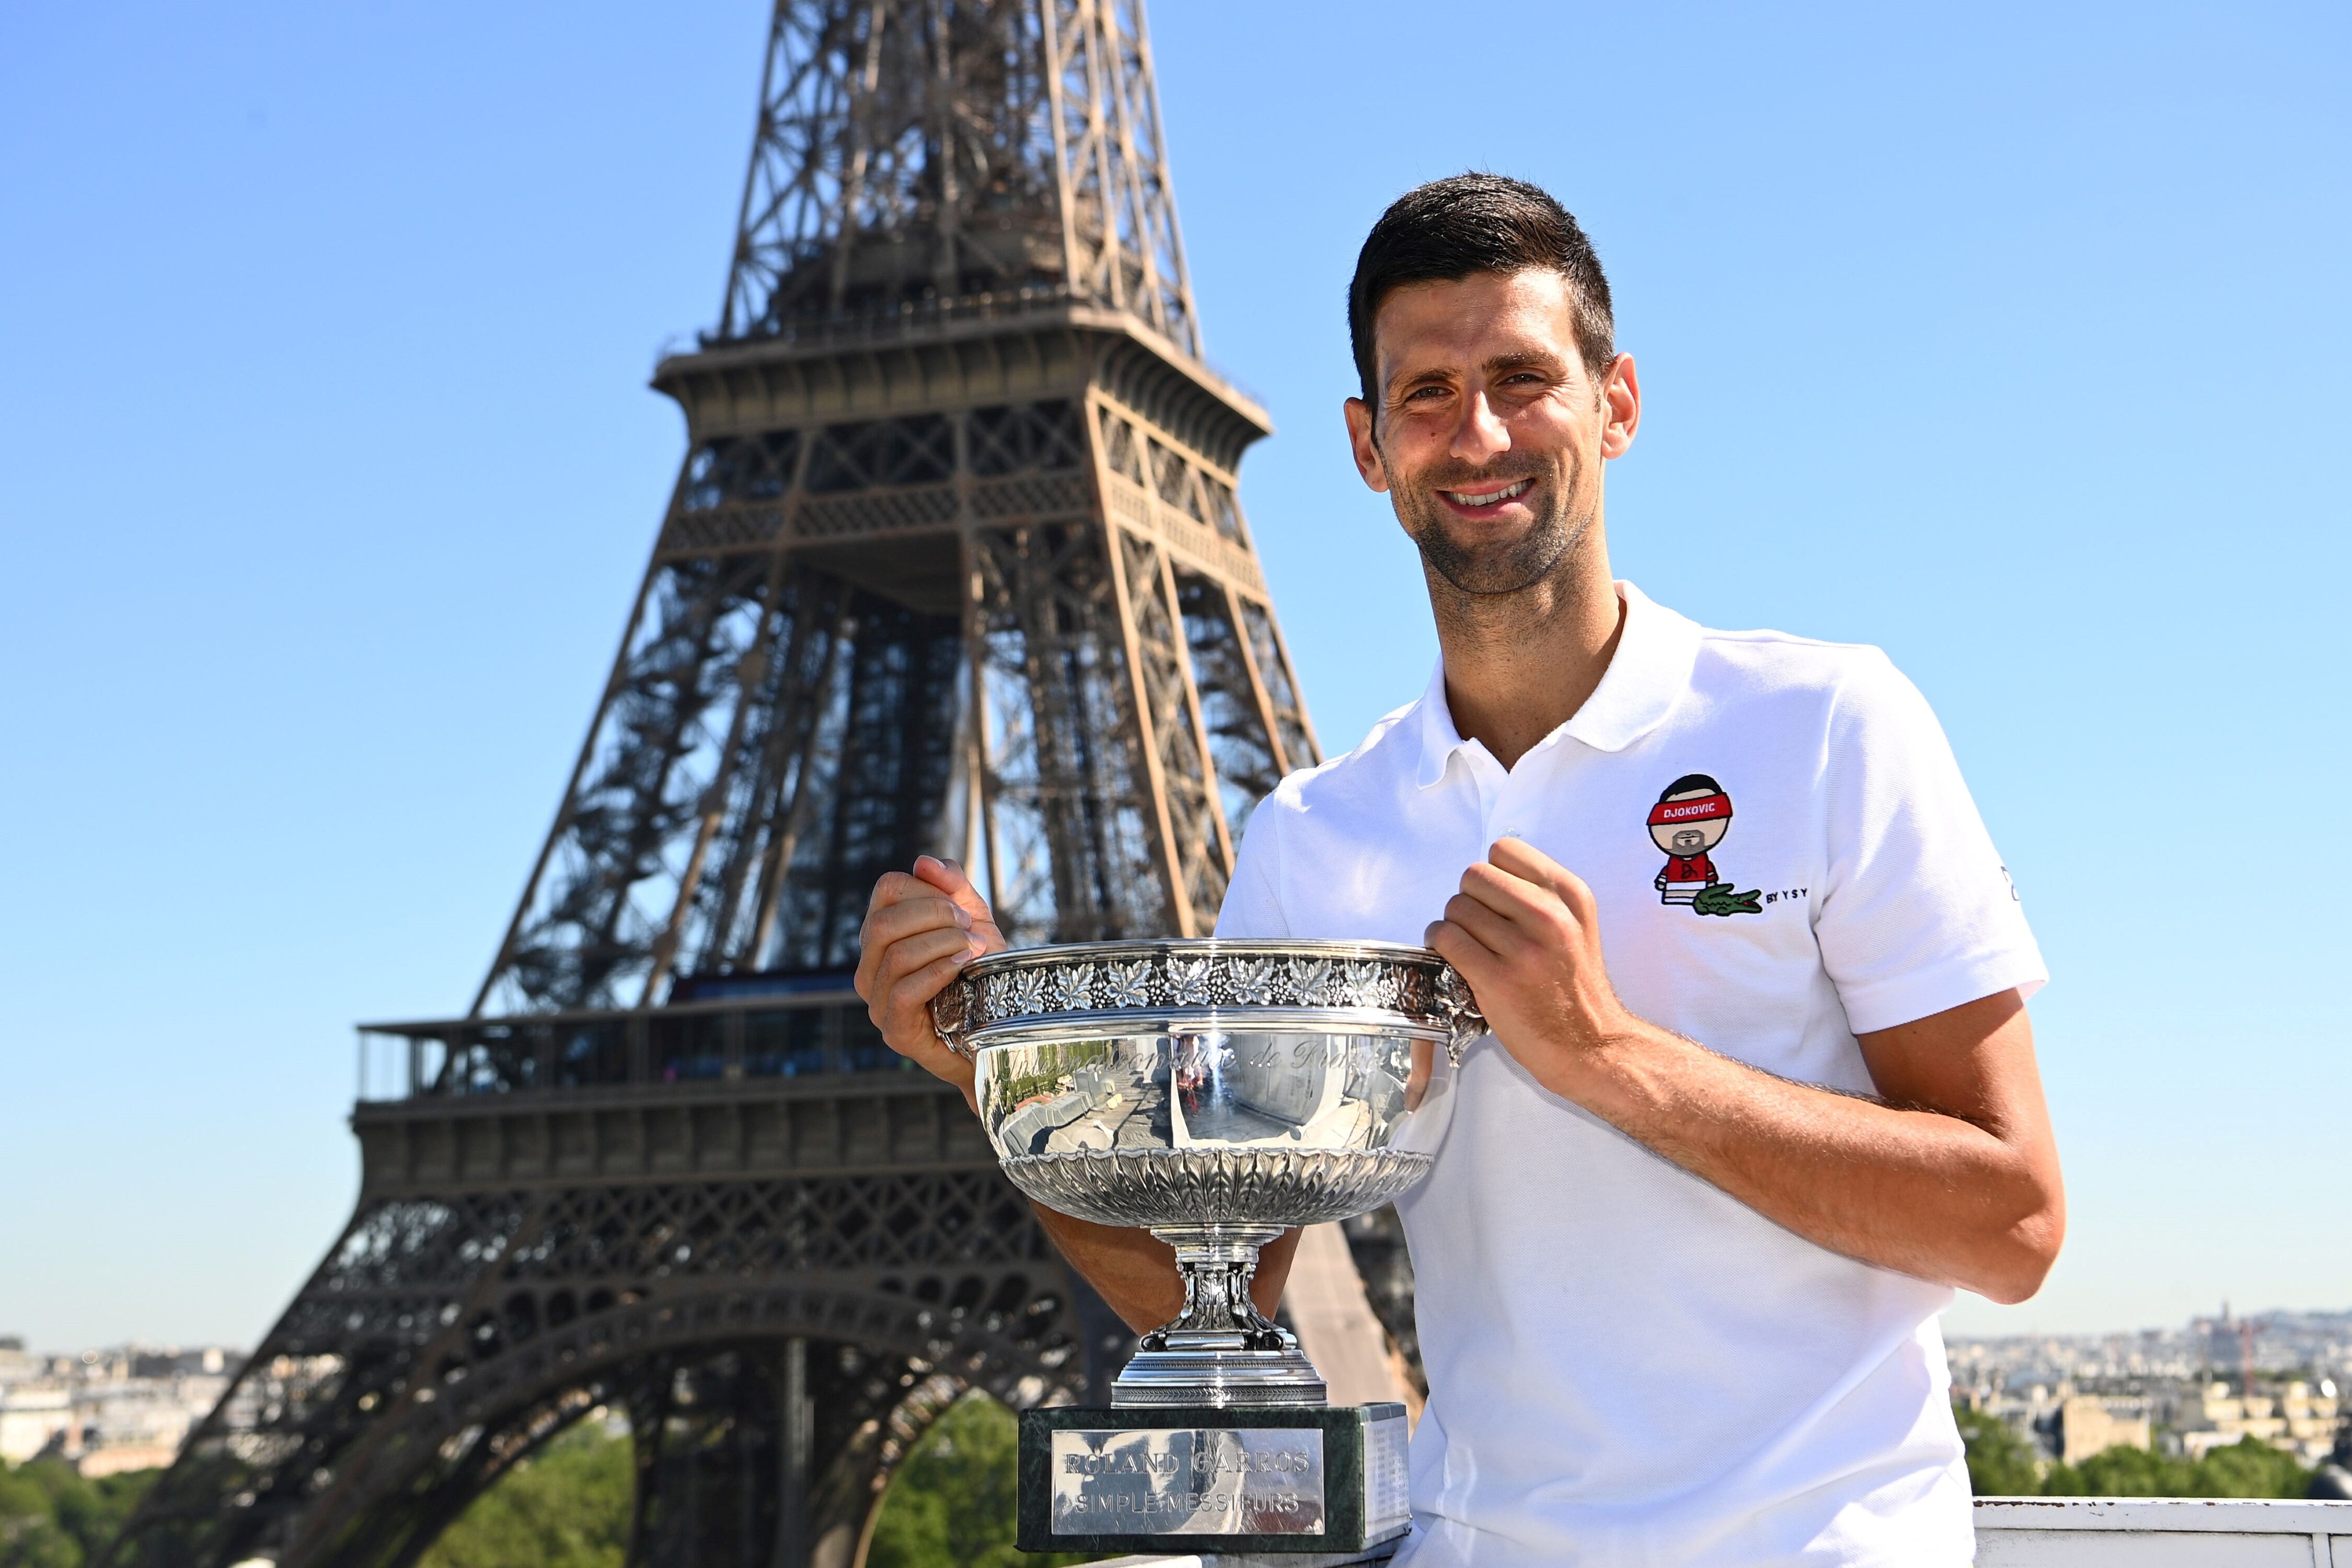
x: 1217, y: 1093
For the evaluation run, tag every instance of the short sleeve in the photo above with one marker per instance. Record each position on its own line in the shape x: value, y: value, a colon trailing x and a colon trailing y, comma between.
x: 1253, y: 908
x: 1917, y: 913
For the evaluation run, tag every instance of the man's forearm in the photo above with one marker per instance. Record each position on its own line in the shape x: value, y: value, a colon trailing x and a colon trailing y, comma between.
x: 1918, y: 1190
x: 1135, y: 1271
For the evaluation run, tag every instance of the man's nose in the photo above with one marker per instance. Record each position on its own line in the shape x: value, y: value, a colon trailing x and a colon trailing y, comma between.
x: 1481, y: 432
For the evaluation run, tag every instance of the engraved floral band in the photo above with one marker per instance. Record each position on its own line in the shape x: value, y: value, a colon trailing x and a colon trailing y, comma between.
x: 1411, y: 984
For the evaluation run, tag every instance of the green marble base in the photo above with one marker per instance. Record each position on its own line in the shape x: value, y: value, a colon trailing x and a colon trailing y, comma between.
x: 1268, y: 1479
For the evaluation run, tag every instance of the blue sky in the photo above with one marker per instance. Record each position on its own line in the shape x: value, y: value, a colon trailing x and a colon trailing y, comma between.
x: 2009, y: 338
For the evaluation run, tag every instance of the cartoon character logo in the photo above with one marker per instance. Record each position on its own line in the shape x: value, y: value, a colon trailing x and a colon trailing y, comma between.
x: 1689, y: 820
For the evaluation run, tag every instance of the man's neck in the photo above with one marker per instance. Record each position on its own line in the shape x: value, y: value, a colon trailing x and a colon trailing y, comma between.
x: 1518, y: 666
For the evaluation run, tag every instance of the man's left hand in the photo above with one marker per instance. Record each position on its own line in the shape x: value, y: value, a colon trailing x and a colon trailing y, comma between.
x: 1952, y: 1176
x: 1526, y: 933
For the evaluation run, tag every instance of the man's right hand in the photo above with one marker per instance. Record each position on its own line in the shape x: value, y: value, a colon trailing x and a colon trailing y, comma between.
x: 919, y: 933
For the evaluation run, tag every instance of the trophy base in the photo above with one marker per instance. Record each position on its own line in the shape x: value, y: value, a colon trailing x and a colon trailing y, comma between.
x: 1246, y: 1479
x: 1193, y: 1369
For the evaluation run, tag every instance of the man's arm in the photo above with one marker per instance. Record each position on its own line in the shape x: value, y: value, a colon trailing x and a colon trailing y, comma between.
x: 919, y: 933
x: 1951, y: 1176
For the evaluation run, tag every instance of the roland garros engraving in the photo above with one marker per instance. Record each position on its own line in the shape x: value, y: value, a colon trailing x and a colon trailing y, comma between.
x: 1204, y: 1481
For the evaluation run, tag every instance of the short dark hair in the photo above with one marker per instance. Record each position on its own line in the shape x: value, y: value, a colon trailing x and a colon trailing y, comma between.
x: 1447, y: 229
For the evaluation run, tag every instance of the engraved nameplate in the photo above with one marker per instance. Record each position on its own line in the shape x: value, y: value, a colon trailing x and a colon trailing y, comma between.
x: 1187, y: 1480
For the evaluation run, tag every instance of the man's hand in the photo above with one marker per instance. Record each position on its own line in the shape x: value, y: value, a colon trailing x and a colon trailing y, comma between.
x: 919, y: 933
x: 1951, y: 1175
x: 1525, y: 932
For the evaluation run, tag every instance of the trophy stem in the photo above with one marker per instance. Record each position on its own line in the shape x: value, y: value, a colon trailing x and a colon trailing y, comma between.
x: 1220, y: 1350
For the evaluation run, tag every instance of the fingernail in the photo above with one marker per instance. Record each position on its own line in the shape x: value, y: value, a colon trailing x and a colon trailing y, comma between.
x: 961, y: 918
x: 979, y: 948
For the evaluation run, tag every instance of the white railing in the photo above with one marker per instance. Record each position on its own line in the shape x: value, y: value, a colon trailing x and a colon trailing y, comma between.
x: 2073, y: 1533
x: 2161, y: 1532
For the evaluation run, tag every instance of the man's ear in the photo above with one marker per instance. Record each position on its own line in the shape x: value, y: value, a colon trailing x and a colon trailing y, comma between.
x: 1366, y: 445
x: 1620, y: 406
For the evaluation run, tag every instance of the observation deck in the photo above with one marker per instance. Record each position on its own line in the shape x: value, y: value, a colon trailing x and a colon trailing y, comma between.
x: 738, y: 1076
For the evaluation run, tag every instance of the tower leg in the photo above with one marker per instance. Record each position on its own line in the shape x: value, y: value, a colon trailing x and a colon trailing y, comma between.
x: 793, y: 1482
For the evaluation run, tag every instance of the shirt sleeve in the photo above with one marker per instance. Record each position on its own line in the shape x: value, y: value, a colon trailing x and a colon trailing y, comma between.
x: 1252, y: 906
x: 1917, y: 913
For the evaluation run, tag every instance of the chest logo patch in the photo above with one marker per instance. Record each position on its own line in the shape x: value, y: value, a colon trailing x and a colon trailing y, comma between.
x: 1689, y: 820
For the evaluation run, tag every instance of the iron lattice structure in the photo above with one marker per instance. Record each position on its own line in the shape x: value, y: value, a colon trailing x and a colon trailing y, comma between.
x: 954, y: 564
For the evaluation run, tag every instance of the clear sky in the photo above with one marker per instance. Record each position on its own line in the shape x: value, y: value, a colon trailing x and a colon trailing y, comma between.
x: 2011, y: 338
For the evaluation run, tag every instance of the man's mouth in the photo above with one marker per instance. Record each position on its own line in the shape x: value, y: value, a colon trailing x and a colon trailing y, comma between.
x: 1485, y: 500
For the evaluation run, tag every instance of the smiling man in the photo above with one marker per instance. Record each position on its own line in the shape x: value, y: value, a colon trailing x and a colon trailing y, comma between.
x: 1743, y: 1124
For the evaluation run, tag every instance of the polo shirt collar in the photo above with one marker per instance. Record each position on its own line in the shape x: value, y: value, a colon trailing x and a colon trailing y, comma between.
x: 1650, y: 668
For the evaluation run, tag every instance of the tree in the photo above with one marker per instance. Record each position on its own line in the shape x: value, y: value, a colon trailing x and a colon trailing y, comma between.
x: 568, y: 1506
x: 950, y: 1504
x: 2000, y: 1463
x: 52, y: 1517
x: 2120, y: 1472
x: 2248, y: 1468
x: 37, y: 1543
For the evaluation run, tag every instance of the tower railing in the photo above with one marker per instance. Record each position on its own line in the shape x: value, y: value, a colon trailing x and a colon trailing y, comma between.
x: 742, y: 1042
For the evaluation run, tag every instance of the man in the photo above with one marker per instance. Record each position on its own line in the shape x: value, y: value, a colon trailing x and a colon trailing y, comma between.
x: 1722, y: 1161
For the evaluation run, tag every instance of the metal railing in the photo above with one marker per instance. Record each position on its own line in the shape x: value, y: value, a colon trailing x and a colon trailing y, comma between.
x: 898, y: 319
x: 2066, y: 1533
x: 721, y: 1040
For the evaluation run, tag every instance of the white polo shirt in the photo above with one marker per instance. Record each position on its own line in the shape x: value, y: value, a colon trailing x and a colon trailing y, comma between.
x: 1626, y: 1365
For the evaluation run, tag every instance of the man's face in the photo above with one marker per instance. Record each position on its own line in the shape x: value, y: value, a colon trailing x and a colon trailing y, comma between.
x: 1690, y: 838
x: 1489, y: 431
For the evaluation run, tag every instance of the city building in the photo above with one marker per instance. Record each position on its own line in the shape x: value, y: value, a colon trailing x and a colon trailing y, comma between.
x: 2088, y: 1425
x: 126, y: 1408
x: 2209, y: 1384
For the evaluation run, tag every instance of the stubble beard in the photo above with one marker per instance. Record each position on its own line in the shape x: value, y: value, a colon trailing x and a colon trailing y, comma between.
x: 1495, y: 569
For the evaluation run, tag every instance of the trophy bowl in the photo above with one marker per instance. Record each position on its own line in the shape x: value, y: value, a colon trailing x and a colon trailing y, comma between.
x: 1217, y: 1093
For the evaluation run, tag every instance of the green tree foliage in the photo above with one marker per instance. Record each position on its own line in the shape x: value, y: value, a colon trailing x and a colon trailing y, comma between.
x: 2246, y: 1468
x: 2002, y: 1464
x: 950, y: 1504
x: 2249, y: 1469
x: 568, y: 1506
x: 52, y: 1517
x: 2121, y: 1472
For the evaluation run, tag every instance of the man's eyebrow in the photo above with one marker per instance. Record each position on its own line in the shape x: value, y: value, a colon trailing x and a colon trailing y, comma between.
x: 1525, y: 359
x: 1405, y: 378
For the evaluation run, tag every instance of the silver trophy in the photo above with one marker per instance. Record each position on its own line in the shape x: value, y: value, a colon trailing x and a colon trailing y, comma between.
x: 1217, y: 1093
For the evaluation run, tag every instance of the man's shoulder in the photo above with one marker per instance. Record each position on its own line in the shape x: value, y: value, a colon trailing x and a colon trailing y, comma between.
x: 1734, y: 664
x: 1849, y: 698
x: 1389, y: 751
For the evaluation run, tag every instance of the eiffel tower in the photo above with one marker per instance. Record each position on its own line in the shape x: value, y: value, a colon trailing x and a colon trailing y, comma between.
x: 954, y: 564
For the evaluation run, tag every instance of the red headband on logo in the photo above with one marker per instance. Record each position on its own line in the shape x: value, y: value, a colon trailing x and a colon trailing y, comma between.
x: 1697, y: 808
